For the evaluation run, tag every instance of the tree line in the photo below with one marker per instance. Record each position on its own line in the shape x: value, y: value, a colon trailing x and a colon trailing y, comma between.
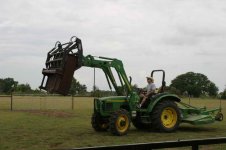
x: 187, y: 84
x: 194, y: 84
x: 9, y: 85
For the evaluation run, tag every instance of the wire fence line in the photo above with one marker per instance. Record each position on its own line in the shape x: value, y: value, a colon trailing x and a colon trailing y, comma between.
x: 39, y: 102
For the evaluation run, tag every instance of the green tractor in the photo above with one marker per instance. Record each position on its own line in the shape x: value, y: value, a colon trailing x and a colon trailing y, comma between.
x: 163, y: 112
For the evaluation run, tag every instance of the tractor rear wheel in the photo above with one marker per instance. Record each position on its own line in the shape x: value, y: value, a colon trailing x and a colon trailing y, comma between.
x: 119, y: 122
x: 98, y: 123
x: 165, y: 116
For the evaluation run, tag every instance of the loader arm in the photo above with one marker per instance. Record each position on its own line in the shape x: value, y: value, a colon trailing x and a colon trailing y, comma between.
x: 107, y: 64
x: 66, y: 58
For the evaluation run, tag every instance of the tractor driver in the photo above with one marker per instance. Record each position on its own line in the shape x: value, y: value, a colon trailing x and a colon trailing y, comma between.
x: 150, y: 91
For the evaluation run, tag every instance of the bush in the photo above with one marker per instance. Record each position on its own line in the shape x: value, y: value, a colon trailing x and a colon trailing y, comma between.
x: 223, y: 94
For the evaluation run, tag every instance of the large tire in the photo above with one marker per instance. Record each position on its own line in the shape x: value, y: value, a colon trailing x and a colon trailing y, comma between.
x: 119, y: 122
x: 98, y: 123
x: 165, y: 116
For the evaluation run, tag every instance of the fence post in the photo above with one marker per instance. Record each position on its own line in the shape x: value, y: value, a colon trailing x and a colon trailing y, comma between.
x: 72, y: 102
x: 11, y: 102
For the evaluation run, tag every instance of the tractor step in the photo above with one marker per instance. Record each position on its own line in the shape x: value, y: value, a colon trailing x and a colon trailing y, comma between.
x: 145, y: 116
x: 142, y: 110
x: 145, y: 119
x: 198, y: 119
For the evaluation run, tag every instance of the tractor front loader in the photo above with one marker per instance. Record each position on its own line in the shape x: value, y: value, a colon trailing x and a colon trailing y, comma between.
x: 163, y: 112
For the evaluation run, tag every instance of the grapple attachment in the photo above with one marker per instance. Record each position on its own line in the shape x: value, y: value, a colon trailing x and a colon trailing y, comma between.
x: 61, y: 63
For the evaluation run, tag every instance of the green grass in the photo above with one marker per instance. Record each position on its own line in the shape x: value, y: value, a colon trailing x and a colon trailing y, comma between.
x: 31, y: 126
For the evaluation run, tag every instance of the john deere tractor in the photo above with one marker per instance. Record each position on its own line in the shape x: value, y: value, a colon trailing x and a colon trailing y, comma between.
x: 162, y: 112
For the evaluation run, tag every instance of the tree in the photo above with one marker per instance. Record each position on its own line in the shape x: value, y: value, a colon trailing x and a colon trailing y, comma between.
x: 194, y: 84
x: 173, y: 90
x: 96, y: 92
x: 223, y: 94
x: 7, y: 85
x: 77, y: 88
x: 1, y: 85
x: 213, y: 90
x: 23, y: 88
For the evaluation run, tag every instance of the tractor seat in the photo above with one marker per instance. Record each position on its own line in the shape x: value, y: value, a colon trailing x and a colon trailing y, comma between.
x: 157, y: 91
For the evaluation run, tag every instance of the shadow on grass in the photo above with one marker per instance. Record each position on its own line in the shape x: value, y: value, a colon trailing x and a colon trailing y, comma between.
x: 197, y: 129
x: 188, y: 129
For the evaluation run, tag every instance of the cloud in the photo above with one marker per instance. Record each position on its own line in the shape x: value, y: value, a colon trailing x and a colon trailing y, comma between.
x: 145, y: 35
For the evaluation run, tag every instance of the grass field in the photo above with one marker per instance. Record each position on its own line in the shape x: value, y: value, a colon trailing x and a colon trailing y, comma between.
x: 48, y: 123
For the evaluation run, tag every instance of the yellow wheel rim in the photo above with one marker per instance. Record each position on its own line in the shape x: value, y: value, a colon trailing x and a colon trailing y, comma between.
x: 122, y: 123
x: 169, y: 117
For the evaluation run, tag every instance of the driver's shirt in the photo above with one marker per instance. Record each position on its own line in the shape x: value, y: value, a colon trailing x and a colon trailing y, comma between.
x: 151, y: 87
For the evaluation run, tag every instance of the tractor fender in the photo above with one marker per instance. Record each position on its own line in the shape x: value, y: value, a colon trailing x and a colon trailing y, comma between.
x: 161, y: 97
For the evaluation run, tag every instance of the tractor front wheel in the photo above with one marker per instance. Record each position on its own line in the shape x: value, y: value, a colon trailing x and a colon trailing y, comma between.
x: 119, y: 122
x: 165, y: 116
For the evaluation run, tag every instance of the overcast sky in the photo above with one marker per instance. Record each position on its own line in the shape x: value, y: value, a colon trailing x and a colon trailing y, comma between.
x: 175, y: 35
